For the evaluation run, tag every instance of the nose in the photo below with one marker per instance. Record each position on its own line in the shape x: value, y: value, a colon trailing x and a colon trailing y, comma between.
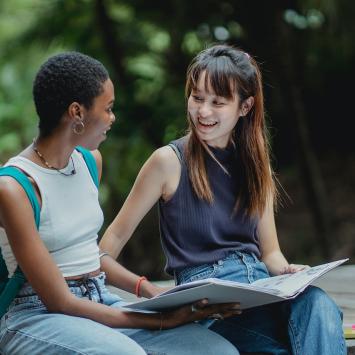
x: 113, y: 117
x: 204, y: 109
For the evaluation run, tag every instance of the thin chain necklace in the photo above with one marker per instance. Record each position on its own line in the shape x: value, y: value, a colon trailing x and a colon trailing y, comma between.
x: 44, y: 161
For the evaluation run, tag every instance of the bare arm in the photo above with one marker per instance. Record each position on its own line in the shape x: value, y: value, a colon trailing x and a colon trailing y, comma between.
x: 119, y: 276
x: 271, y: 254
x: 16, y: 216
x: 158, y: 178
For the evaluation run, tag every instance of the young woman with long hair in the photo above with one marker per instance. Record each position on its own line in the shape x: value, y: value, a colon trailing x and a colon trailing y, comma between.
x: 216, y: 193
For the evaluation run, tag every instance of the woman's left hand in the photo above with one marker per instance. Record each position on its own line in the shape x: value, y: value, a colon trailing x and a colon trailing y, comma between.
x: 292, y: 268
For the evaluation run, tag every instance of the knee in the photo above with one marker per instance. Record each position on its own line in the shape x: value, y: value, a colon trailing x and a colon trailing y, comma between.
x: 320, y: 300
x: 201, y: 340
x: 120, y: 345
x: 220, y: 346
x: 126, y: 350
x: 225, y: 350
x: 318, y: 304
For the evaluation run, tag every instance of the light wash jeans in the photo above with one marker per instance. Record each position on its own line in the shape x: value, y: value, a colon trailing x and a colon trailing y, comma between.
x: 310, y: 324
x: 29, y: 329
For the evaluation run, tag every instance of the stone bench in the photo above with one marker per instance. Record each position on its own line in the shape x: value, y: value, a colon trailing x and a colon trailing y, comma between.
x: 338, y: 283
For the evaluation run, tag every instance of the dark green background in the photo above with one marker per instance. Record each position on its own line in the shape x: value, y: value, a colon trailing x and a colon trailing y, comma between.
x: 306, y: 52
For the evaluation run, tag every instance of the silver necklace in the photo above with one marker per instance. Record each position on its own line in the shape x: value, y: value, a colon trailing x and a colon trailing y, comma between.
x: 49, y: 166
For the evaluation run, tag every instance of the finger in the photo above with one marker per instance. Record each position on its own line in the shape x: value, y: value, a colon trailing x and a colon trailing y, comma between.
x: 232, y: 314
x: 302, y: 267
x: 198, y: 306
x: 221, y: 307
x: 299, y: 267
x: 201, y: 303
x: 223, y: 315
x: 216, y: 316
x: 285, y: 270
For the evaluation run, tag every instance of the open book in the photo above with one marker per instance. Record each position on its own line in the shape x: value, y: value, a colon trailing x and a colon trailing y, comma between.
x: 263, y: 291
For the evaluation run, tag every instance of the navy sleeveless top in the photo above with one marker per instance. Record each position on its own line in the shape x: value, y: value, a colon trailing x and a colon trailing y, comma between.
x: 195, y: 232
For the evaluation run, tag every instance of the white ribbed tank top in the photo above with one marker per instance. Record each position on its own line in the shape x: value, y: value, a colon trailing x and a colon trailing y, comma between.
x: 70, y: 217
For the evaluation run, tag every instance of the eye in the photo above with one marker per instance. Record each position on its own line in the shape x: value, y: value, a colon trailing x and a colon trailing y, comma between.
x: 219, y: 103
x: 197, y: 98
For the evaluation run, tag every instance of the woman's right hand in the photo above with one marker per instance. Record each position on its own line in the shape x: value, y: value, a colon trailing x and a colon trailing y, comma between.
x: 198, y: 311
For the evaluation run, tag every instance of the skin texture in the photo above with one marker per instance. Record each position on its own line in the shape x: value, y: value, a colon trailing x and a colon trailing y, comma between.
x: 16, y: 216
x: 214, y: 118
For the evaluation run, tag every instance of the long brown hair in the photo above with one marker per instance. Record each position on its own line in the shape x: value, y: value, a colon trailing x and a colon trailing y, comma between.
x: 230, y: 71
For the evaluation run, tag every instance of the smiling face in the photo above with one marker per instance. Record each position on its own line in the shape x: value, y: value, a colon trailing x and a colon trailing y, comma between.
x: 214, y: 117
x: 99, y: 118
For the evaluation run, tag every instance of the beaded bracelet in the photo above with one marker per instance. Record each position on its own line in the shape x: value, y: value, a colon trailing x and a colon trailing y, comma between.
x: 138, y: 285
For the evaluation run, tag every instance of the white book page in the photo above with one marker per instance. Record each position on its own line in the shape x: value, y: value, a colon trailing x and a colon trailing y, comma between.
x: 290, y: 284
x: 214, y: 281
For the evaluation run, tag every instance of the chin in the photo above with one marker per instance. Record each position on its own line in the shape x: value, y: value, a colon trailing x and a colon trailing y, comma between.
x: 90, y: 145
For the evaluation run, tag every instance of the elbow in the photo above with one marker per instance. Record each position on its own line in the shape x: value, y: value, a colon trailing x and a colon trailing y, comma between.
x: 112, y: 243
x: 61, y: 304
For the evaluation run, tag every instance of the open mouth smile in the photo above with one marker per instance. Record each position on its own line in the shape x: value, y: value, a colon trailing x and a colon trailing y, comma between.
x: 207, y: 124
x: 105, y: 132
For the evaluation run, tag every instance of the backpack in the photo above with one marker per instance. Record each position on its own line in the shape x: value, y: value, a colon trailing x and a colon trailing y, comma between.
x: 9, y: 287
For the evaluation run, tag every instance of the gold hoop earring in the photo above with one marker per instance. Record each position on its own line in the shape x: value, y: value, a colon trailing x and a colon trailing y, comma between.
x: 78, y: 127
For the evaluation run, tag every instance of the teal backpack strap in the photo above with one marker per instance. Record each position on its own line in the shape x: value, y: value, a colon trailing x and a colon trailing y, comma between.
x: 10, y: 287
x: 91, y: 164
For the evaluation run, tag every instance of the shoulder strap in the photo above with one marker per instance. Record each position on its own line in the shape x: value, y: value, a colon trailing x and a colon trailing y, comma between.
x: 91, y: 164
x: 176, y: 150
x: 10, y: 287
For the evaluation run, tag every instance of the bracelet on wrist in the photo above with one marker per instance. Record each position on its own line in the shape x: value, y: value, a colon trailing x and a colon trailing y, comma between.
x: 103, y: 253
x: 138, y: 285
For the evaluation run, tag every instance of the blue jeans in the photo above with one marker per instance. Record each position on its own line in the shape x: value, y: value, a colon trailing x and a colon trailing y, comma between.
x: 28, y: 328
x: 310, y: 324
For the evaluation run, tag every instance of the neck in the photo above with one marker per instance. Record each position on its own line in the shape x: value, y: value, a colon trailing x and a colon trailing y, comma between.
x: 55, y: 150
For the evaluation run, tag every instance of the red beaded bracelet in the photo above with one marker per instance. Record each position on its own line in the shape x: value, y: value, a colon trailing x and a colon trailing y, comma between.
x: 138, y: 285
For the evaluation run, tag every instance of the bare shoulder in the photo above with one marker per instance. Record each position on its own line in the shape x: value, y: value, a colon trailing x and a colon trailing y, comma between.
x: 97, y: 155
x: 98, y: 158
x: 10, y: 192
x: 165, y: 160
x: 9, y: 186
x: 11, y: 195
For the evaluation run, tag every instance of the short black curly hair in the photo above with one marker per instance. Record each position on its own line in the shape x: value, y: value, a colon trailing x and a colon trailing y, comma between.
x: 63, y: 79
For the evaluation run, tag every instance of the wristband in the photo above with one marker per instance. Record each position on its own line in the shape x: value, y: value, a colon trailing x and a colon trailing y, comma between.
x: 138, y: 285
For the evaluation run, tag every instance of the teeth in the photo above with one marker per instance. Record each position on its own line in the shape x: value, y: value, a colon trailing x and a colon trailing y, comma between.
x: 207, y: 123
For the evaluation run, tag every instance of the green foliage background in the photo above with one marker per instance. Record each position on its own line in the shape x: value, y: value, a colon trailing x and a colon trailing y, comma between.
x: 304, y: 47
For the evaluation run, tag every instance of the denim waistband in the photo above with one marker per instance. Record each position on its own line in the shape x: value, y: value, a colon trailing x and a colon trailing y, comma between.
x: 84, y: 287
x: 251, y: 257
x: 239, y: 257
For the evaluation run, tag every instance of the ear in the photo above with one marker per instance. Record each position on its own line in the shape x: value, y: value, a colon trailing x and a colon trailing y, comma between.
x: 247, y: 105
x: 75, y: 111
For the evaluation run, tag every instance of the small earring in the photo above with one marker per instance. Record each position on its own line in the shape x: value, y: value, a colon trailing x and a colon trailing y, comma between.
x: 78, y: 127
